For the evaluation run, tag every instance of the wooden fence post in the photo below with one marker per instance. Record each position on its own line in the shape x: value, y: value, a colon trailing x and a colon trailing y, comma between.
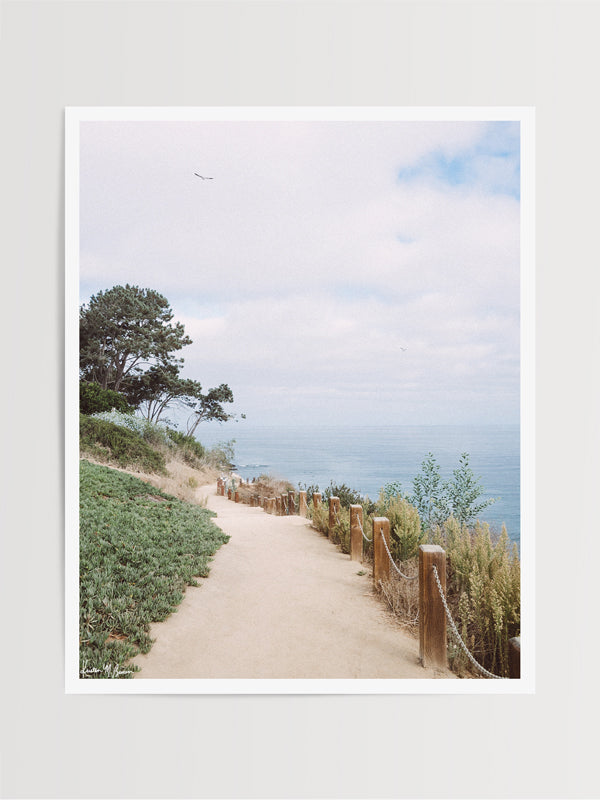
x: 291, y: 501
x: 356, y: 537
x: 237, y: 495
x: 432, y: 616
x: 317, y: 497
x: 302, y: 505
x: 514, y: 657
x: 334, y: 512
x: 278, y: 505
x: 284, y: 508
x: 381, y: 561
x: 272, y: 505
x: 229, y: 494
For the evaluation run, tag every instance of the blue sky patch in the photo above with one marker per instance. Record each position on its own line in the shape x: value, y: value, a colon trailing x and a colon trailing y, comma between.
x: 491, y: 165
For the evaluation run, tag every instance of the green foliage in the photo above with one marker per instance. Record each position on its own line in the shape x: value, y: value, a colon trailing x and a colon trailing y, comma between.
x: 391, y: 489
x: 139, y: 548
x: 123, y: 331
x: 168, y: 440
x: 93, y: 399
x: 128, y: 344
x: 347, y: 496
x: 161, y: 385
x: 483, y: 590
x: 320, y: 517
x: 341, y: 530
x: 310, y: 490
x: 152, y: 433
x: 222, y: 455
x: 210, y: 406
x: 406, y: 533
x: 464, y: 492
x: 189, y: 447
x: 104, y: 441
x: 340, y: 533
x: 429, y: 494
x: 483, y: 576
x: 437, y: 500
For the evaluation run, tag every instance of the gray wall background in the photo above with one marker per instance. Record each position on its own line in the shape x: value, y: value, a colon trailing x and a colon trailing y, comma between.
x: 55, y: 54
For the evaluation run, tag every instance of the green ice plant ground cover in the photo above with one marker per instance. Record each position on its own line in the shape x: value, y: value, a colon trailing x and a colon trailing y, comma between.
x: 139, y: 549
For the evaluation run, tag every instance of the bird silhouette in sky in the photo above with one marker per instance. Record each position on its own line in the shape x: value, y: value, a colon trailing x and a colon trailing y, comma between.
x: 203, y: 177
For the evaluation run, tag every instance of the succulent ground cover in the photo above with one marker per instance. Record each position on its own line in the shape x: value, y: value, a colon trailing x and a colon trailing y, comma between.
x: 139, y: 549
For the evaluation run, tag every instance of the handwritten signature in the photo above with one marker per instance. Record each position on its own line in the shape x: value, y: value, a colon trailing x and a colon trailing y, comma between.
x: 107, y: 671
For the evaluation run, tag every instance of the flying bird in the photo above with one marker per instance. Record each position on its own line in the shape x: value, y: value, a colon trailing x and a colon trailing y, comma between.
x: 203, y: 177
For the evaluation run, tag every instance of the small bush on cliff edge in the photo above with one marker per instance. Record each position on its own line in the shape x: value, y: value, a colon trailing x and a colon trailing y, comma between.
x: 106, y: 441
x: 406, y: 533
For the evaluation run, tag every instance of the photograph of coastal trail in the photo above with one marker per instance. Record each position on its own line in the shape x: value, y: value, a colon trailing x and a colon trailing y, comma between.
x: 299, y: 399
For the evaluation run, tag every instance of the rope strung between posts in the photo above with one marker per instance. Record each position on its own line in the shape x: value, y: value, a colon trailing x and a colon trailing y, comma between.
x: 393, y: 563
x: 365, y: 537
x: 455, y: 629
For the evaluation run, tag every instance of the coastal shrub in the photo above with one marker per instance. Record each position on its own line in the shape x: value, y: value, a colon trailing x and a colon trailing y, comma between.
x: 171, y: 442
x: 310, y: 490
x: 221, y: 456
x: 106, y: 441
x: 460, y: 497
x: 190, y: 449
x: 347, y: 496
x: 430, y: 494
x: 138, y: 549
x: 406, y: 533
x: 464, y: 492
x: 93, y: 399
x: 319, y: 516
x: 152, y: 433
x: 483, y: 591
x: 340, y: 533
x: 391, y: 489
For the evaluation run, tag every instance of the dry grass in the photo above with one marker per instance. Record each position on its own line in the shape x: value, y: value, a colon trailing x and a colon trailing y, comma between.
x: 402, y: 596
x: 264, y: 485
x: 181, y: 480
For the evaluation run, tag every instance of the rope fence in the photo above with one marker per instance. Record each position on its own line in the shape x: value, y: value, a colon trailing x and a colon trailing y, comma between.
x: 433, y: 616
x: 395, y: 566
x: 455, y: 630
x: 362, y: 530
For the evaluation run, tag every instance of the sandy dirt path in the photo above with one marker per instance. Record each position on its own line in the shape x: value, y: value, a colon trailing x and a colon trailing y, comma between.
x: 281, y: 601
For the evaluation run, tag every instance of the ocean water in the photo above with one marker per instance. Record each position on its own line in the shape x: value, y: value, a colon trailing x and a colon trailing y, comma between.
x: 365, y: 458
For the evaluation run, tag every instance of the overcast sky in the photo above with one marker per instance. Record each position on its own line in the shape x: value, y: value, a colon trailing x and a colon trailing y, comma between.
x: 351, y: 272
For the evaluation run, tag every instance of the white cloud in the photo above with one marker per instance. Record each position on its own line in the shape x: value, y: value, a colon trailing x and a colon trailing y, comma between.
x: 304, y: 267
